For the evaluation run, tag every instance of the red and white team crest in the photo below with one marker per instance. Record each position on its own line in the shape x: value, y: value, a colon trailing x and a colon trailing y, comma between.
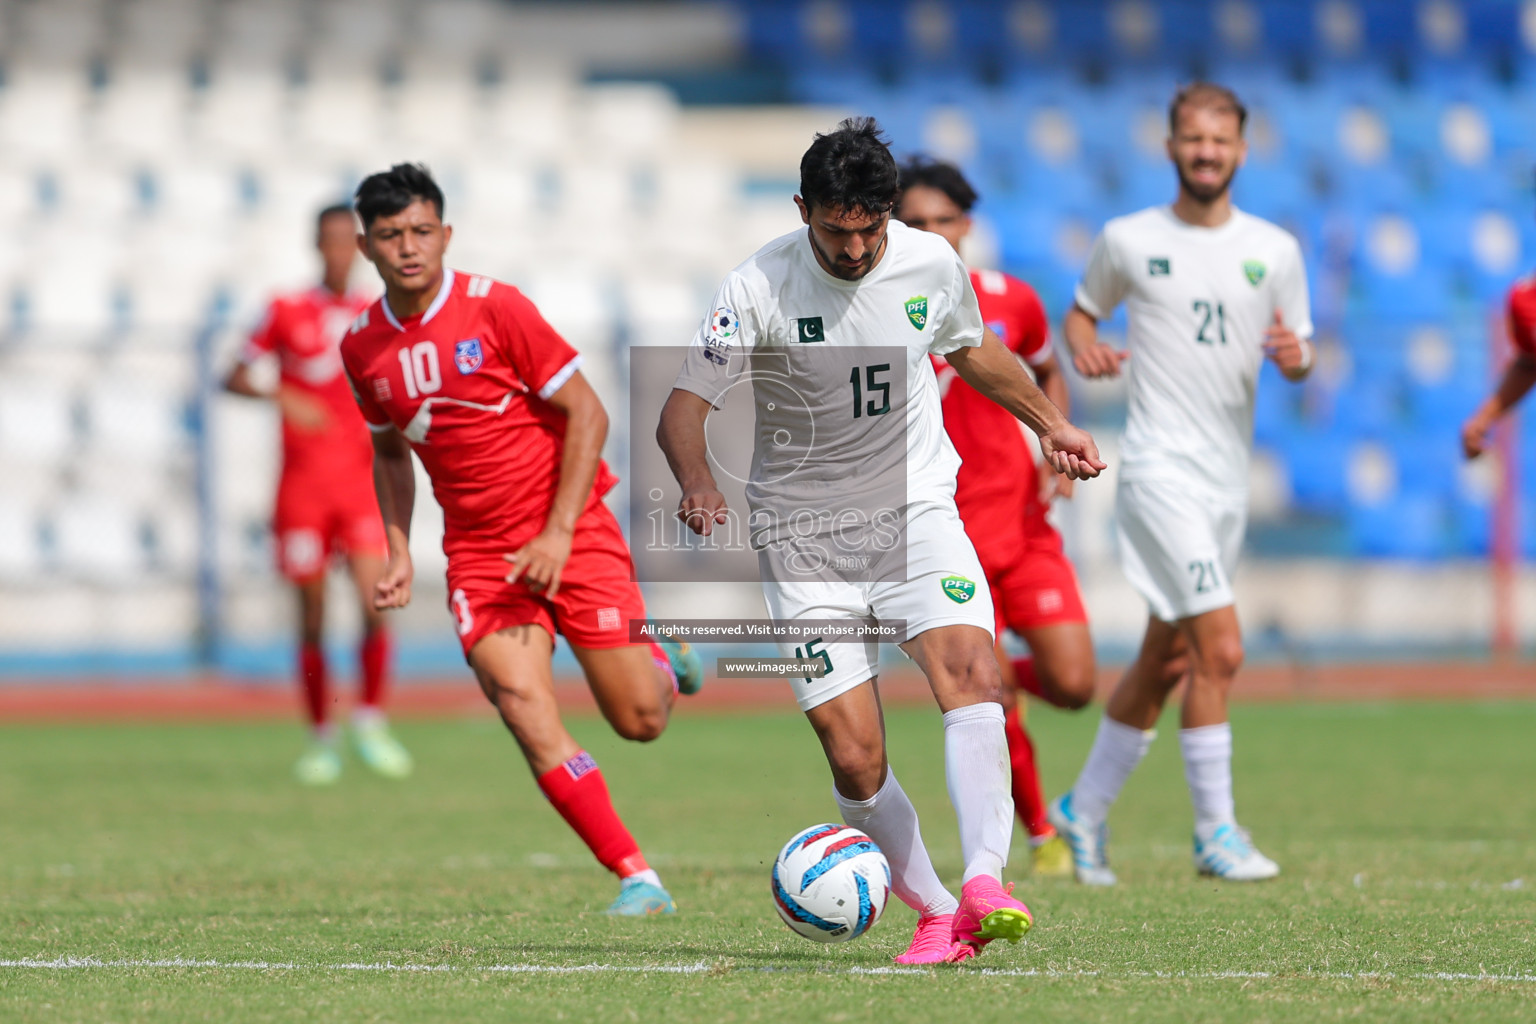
x: 467, y: 355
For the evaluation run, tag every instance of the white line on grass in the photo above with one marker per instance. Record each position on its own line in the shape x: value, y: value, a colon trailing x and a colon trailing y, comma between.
x: 77, y: 963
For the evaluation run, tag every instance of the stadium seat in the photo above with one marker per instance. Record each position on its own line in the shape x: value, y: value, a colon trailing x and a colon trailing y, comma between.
x: 36, y: 420
x: 99, y: 540
x: 21, y: 552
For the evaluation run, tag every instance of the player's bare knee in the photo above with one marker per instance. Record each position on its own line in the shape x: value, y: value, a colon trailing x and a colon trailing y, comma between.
x: 641, y: 725
x: 857, y: 764
x: 1222, y: 659
x: 975, y: 676
x: 1071, y: 687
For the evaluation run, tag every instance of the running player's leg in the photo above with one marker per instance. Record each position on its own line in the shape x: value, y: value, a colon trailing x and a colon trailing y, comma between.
x: 962, y: 671
x: 1125, y: 734
x: 851, y: 728
x: 1060, y: 668
x: 512, y: 666
x: 1205, y: 738
x: 320, y: 764
x: 376, y: 744
x: 633, y: 685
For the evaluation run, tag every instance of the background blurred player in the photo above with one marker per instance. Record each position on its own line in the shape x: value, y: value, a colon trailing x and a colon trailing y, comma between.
x: 325, y: 503
x: 1210, y: 291
x: 854, y: 288
x: 464, y: 370
x: 1519, y: 375
x: 1004, y: 500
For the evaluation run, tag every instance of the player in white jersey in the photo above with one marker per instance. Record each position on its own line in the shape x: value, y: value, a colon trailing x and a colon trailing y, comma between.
x: 851, y: 494
x: 1210, y: 293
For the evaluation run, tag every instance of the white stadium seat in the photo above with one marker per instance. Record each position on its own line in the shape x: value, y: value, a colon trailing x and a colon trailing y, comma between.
x: 21, y: 555
x: 36, y: 421
x: 99, y: 540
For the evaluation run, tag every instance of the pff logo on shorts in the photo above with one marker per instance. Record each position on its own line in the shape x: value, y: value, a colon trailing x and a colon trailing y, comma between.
x: 958, y: 589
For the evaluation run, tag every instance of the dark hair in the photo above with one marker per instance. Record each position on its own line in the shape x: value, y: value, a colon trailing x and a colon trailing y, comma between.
x: 1209, y: 95
x: 334, y: 210
x: 388, y: 192
x: 924, y: 172
x: 850, y: 169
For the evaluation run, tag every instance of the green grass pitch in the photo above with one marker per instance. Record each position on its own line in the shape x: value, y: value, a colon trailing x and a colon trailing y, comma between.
x: 1405, y: 833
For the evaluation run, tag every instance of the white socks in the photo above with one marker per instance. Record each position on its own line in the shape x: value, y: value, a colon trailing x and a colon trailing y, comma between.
x: 647, y: 875
x: 979, y: 775
x: 1117, y: 750
x: 1208, y: 770
x: 890, y: 820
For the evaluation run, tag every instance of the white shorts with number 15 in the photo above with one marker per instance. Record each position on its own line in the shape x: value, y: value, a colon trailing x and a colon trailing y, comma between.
x: 1179, y: 544
x: 944, y: 585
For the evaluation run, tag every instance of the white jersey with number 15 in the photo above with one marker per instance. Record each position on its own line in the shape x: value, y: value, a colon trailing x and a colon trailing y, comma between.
x: 1198, y: 301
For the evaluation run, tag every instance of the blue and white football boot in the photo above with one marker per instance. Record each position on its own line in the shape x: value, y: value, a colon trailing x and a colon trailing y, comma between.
x: 1225, y: 851
x: 1090, y: 862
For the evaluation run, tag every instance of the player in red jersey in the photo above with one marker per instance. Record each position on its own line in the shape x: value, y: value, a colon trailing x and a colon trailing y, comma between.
x: 325, y: 503
x: 464, y: 371
x: 1004, y: 501
x: 1519, y: 375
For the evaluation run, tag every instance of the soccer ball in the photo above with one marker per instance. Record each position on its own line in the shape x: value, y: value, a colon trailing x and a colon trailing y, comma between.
x: 830, y: 883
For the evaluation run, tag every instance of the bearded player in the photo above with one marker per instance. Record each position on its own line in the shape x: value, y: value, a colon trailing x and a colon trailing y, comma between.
x: 1004, y: 500
x: 464, y: 371
x: 1211, y: 292
x: 859, y: 303
x: 325, y: 503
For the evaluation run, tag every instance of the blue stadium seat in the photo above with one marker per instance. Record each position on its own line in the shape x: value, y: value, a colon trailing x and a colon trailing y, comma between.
x: 1413, y: 527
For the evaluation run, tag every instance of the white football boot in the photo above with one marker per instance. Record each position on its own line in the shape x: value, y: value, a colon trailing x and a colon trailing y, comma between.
x: 1225, y: 851
x: 1089, y: 860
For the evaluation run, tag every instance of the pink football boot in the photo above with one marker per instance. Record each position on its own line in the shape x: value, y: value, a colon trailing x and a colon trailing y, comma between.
x: 988, y: 912
x: 934, y: 942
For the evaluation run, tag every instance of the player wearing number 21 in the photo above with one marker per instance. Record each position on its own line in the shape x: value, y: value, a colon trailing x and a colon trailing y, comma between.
x: 464, y: 371
x: 1210, y: 292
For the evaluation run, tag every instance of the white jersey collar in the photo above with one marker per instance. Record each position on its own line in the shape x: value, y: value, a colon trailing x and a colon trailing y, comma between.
x: 443, y: 291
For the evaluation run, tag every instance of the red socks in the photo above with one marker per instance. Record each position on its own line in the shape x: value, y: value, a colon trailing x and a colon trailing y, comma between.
x: 1028, y: 801
x: 578, y: 791
x: 373, y: 667
x: 312, y: 678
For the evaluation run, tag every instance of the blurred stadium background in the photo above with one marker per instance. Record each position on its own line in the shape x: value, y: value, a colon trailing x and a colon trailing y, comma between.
x: 161, y: 161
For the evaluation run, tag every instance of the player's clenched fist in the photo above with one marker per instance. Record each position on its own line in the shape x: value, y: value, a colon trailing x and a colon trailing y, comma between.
x: 701, y: 509
x: 1099, y: 360
x: 1071, y: 451
x: 394, y: 588
x: 1289, y: 351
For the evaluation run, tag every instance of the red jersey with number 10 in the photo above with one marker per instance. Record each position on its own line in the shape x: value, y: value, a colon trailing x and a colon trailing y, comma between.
x: 998, y: 484
x: 468, y: 382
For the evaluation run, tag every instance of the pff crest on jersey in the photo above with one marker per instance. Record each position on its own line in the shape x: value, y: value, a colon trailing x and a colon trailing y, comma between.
x: 1253, y: 270
x: 917, y: 311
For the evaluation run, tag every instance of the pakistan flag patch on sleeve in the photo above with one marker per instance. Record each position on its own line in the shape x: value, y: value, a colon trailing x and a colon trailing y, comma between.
x: 1253, y: 270
x: 958, y: 589
x: 917, y: 311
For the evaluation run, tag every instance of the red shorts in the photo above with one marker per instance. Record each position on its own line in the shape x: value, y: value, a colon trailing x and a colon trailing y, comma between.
x: 598, y: 595
x: 318, y: 519
x: 1036, y: 585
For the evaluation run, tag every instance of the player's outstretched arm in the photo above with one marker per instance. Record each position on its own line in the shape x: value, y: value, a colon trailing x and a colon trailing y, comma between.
x: 1053, y: 381
x: 541, y: 561
x: 394, y: 481
x: 1091, y: 357
x: 1517, y: 380
x: 681, y: 437
x: 296, y: 407
x: 994, y: 371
